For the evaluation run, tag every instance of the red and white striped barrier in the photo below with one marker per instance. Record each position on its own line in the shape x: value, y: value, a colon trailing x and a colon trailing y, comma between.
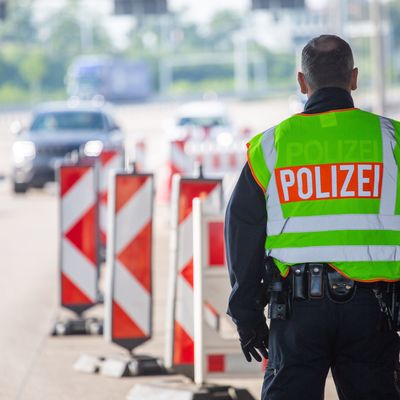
x: 180, y: 325
x: 109, y: 159
x: 217, y: 349
x: 79, y: 224
x: 140, y: 157
x: 178, y: 163
x: 128, y: 299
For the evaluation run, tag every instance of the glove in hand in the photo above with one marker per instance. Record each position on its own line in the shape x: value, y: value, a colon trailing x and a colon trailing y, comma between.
x: 254, y: 342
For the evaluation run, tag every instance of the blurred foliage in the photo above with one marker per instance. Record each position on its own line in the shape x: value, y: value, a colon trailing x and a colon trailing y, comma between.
x: 183, y: 87
x: 394, y: 17
x: 202, y: 73
x: 35, y: 53
x: 66, y: 31
x: 33, y: 66
x: 19, y: 26
x: 281, y: 69
x: 11, y: 94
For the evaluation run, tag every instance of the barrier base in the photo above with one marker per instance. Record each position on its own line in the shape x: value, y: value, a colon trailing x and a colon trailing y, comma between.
x: 187, y: 391
x: 120, y: 366
x: 78, y: 326
x: 136, y: 365
x: 88, y: 364
x: 187, y: 370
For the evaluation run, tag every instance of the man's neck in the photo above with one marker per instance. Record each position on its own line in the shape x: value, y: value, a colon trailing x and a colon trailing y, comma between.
x: 328, y: 99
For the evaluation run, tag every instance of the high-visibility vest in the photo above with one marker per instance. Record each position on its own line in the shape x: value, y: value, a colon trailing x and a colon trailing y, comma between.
x: 332, y: 190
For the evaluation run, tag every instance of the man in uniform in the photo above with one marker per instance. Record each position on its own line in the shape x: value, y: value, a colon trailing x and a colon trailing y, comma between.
x: 313, y: 228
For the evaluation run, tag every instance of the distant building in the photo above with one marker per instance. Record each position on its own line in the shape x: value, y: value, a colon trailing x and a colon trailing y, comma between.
x: 286, y: 30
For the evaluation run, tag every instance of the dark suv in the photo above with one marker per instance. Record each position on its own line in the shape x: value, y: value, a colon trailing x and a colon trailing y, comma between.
x: 56, y: 131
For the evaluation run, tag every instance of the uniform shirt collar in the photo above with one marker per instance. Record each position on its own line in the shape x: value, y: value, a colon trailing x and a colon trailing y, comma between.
x: 328, y: 99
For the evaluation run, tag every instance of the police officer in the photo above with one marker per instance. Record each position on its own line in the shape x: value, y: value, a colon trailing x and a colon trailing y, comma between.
x: 319, y: 202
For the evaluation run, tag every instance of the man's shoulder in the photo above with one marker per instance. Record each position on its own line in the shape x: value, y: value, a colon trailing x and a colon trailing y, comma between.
x: 394, y: 122
x: 259, y: 137
x: 372, y: 114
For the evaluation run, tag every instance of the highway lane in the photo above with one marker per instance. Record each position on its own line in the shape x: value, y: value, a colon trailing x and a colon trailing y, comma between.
x: 28, y: 262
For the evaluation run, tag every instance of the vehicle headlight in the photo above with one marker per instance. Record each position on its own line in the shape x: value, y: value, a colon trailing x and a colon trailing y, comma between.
x: 93, y: 148
x: 23, y: 151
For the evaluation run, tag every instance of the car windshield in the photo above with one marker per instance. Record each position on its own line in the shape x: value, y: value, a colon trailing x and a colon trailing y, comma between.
x: 68, y: 120
x: 201, y: 121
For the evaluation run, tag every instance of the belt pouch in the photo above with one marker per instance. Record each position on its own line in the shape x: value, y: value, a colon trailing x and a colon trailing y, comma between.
x: 315, y: 281
x: 340, y: 288
x: 299, y: 285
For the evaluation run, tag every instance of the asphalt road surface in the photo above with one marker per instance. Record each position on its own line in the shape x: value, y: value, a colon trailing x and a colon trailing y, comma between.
x: 34, y: 365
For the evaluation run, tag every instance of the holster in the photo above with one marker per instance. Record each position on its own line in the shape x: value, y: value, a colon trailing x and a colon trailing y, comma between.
x: 278, y: 306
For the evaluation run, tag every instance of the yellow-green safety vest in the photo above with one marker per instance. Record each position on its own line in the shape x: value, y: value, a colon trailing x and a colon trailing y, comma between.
x: 332, y: 188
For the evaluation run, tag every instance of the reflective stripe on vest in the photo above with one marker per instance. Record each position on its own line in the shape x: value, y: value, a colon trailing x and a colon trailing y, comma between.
x: 389, y: 183
x: 339, y: 207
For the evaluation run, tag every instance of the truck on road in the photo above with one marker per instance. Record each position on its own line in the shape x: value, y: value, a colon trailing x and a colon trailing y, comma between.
x: 113, y: 79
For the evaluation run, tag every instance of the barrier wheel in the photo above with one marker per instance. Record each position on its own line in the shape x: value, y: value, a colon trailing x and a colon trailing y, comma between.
x: 60, y: 329
x: 20, y: 188
x: 134, y: 368
x: 94, y: 327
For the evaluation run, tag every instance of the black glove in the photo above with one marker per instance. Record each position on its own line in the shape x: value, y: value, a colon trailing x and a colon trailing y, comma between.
x: 254, y: 341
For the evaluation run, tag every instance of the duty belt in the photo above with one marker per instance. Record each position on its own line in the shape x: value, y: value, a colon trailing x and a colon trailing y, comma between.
x: 314, y: 281
x: 308, y: 281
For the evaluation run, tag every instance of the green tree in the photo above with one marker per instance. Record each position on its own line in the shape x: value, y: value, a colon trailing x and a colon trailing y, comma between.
x: 65, y: 31
x: 19, y: 26
x: 223, y: 26
x: 33, y: 68
x: 394, y: 18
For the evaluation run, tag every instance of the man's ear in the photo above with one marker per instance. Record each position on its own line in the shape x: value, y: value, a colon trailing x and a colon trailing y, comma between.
x: 354, y: 79
x: 302, y: 82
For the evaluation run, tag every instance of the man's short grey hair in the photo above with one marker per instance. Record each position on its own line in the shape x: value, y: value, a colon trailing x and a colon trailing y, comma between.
x: 327, y: 61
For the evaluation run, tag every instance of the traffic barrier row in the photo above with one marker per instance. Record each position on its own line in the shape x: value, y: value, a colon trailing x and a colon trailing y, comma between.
x: 194, y: 314
x: 215, y: 343
x: 128, y: 296
x: 83, y: 192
